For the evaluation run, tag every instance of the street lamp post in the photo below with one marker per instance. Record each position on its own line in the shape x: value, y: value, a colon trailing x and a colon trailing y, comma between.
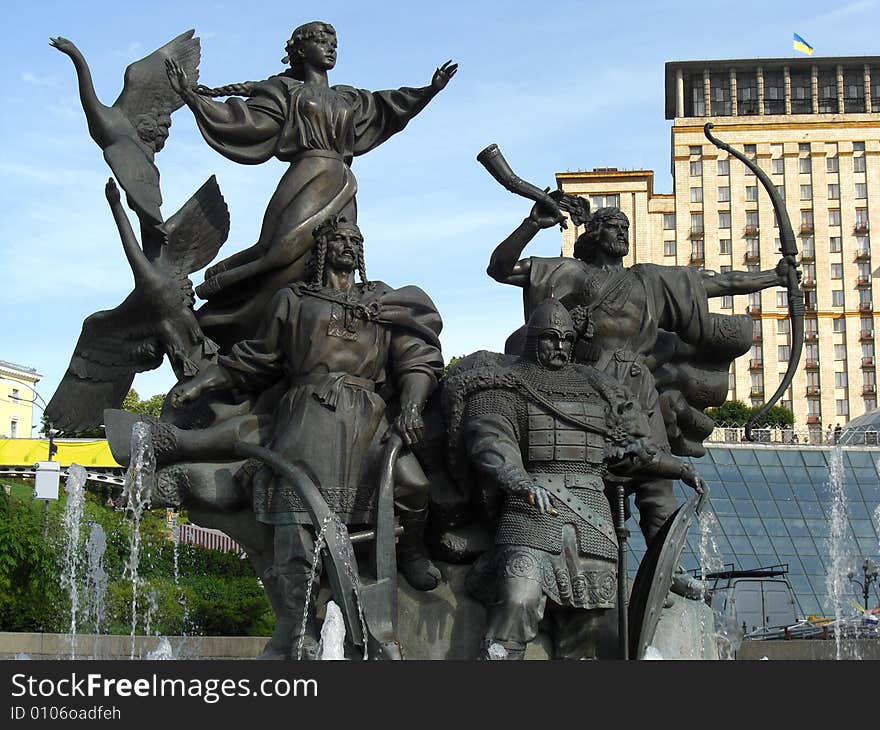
x: 53, y: 432
x: 870, y: 571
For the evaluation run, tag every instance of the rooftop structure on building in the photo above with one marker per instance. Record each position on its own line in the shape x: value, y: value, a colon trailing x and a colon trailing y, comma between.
x: 813, y: 124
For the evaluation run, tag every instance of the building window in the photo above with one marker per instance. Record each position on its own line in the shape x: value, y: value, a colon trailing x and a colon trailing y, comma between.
x: 669, y: 221
x: 14, y: 395
x: 807, y: 219
x: 801, y: 92
x: 696, y: 195
x: 861, y: 217
x: 864, y: 270
x: 839, y: 324
x: 836, y: 244
x: 837, y: 298
x: 863, y: 246
x: 861, y: 191
x: 605, y: 201
x: 750, y: 150
x: 784, y: 353
x: 828, y: 91
x: 865, y: 298
x: 840, y: 380
x: 13, y: 428
x: 781, y: 298
x: 834, y: 217
x: 836, y: 271
x: 858, y: 146
x: 757, y: 329
x: 833, y: 191
x: 696, y: 222
x: 751, y: 219
x: 719, y: 85
x: 853, y: 90
x: 723, y: 168
x: 697, y: 97
x: 871, y: 403
x: 809, y: 273
x: 842, y: 407
x: 724, y: 194
x: 724, y: 219
x: 751, y: 192
x: 724, y: 246
x: 774, y: 92
x: 727, y: 302
x: 669, y: 248
x: 859, y: 164
x: 783, y: 326
x: 731, y: 383
x: 840, y: 352
x: 809, y: 247
x: 866, y: 325
x: 806, y: 192
x: 696, y: 168
x: 805, y: 165
x: 695, y: 150
x: 811, y: 352
x: 831, y: 164
x: 777, y: 166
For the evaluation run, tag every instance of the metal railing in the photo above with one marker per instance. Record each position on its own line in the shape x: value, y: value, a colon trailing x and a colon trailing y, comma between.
x: 732, y: 434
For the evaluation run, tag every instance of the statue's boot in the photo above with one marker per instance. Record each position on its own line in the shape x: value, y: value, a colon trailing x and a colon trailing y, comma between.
x: 291, y: 588
x: 412, y: 555
x: 172, y: 444
x: 118, y: 425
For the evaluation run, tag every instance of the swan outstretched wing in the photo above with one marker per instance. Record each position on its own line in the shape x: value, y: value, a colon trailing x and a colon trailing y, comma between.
x: 147, y: 98
x: 113, y: 346
x: 194, y: 235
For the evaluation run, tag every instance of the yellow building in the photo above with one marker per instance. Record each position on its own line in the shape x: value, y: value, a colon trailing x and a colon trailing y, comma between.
x: 16, y: 399
x: 813, y: 124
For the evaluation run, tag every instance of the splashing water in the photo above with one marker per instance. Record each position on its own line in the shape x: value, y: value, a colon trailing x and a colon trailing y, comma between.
x: 151, y: 610
x: 96, y: 580
x: 652, y: 653
x: 836, y: 580
x: 162, y: 651
x: 183, y: 649
x: 728, y: 636
x: 72, y: 521
x: 332, y: 645
x: 349, y: 561
x: 316, y: 557
x: 137, y: 491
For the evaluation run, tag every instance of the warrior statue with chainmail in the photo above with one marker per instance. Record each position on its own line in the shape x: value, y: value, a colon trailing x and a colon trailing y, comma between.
x: 542, y: 433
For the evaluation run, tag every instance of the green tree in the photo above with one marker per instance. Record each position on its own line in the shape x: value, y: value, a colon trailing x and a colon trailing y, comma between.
x: 730, y: 413
x: 150, y: 407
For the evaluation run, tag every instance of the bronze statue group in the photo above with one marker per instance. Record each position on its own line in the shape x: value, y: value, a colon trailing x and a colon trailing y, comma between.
x: 298, y: 351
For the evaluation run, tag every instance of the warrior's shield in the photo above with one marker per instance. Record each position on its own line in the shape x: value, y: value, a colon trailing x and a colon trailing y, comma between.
x: 654, y: 576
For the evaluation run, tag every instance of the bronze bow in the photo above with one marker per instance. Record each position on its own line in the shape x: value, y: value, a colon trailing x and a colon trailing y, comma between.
x: 788, y: 247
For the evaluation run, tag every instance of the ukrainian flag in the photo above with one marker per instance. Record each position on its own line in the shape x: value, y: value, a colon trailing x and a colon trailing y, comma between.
x: 801, y: 45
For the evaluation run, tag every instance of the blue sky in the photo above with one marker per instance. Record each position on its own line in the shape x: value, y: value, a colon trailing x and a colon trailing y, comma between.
x: 559, y: 86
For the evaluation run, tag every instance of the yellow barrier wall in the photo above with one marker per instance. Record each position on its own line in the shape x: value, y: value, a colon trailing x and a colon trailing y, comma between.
x: 85, y: 452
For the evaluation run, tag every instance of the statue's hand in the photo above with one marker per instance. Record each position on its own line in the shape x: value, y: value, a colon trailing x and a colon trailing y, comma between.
x: 545, y: 214
x: 443, y: 74
x: 782, y: 268
x: 177, y: 77
x: 184, y: 393
x: 63, y: 45
x: 111, y: 191
x: 692, y: 478
x: 535, y: 495
x: 409, y: 424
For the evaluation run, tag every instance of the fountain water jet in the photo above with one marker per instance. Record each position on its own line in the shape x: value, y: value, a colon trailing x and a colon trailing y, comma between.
x: 72, y: 522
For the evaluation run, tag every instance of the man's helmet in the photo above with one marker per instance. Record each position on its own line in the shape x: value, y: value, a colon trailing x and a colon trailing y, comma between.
x: 549, y: 316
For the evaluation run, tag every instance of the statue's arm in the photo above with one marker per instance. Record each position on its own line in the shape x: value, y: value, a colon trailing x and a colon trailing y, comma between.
x: 505, y: 265
x: 745, y: 282
x: 415, y: 387
x: 493, y: 450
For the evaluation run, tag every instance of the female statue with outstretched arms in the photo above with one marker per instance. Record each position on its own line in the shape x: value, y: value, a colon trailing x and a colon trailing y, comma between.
x: 297, y: 117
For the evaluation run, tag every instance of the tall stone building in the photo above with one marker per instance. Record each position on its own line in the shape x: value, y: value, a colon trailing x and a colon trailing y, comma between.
x: 813, y: 124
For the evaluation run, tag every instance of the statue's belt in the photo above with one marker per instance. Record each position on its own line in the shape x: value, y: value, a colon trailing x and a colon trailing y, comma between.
x: 558, y: 486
